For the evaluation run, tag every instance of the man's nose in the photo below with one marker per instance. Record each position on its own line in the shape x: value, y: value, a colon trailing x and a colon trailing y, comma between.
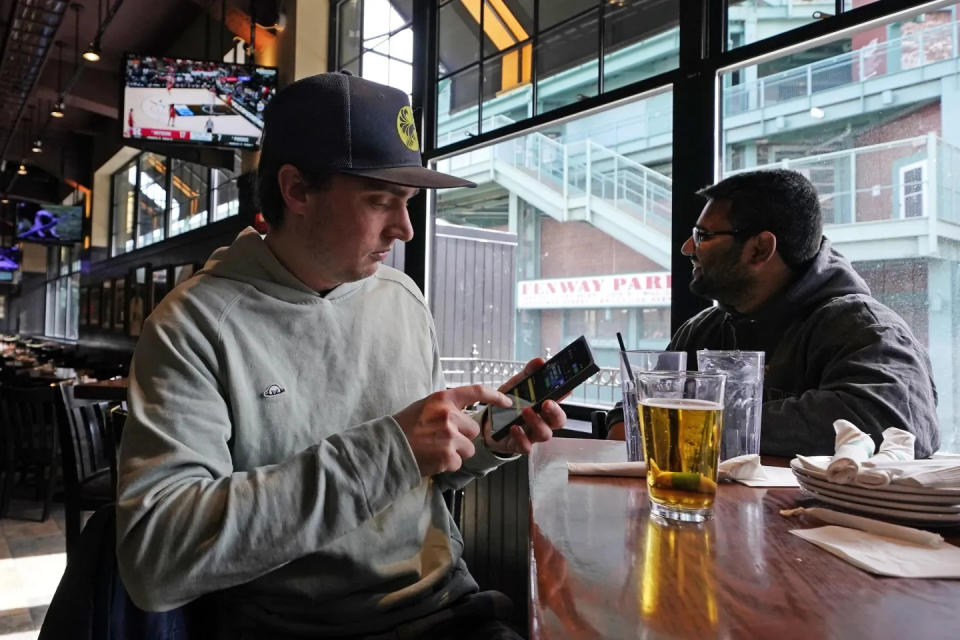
x: 401, y: 227
x: 688, y: 247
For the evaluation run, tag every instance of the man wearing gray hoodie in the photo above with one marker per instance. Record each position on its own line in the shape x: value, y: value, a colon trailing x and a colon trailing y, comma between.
x: 290, y: 432
x: 832, y: 350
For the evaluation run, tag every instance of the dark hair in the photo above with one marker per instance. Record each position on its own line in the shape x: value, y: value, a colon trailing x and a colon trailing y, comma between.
x: 268, y: 190
x: 779, y: 201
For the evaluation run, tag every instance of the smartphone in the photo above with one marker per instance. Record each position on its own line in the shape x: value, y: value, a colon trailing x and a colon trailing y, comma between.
x: 561, y: 374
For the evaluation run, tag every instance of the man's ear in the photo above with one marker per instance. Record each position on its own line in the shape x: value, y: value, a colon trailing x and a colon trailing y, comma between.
x: 761, y: 248
x: 293, y: 188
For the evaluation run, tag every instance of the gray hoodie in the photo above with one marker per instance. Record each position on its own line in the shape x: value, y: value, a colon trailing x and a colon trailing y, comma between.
x: 260, y: 459
x: 832, y: 351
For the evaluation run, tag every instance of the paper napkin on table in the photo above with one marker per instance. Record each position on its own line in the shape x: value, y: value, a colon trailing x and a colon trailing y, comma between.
x: 885, y: 556
x: 745, y: 469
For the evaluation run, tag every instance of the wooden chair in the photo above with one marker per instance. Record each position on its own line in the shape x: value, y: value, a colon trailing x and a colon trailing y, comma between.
x: 89, y: 458
x: 31, y: 418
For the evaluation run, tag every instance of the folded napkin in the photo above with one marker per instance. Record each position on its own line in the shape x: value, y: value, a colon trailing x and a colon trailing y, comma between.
x: 851, y: 456
x: 885, y: 556
x: 897, y: 445
x: 629, y: 469
x: 942, y: 473
x: 745, y: 469
x: 851, y: 447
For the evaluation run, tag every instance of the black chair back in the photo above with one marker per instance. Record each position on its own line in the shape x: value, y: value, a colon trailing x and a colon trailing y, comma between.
x: 31, y: 419
x: 89, y: 459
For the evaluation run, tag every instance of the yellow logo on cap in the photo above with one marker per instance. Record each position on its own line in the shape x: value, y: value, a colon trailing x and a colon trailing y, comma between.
x: 407, y: 128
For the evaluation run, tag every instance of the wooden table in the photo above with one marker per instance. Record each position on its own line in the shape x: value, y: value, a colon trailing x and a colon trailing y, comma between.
x: 600, y: 567
x: 115, y: 389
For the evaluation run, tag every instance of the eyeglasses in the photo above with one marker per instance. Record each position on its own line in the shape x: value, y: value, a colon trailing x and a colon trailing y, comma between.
x: 699, y: 234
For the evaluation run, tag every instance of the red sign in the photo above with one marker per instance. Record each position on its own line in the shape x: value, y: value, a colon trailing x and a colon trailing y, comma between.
x: 166, y: 134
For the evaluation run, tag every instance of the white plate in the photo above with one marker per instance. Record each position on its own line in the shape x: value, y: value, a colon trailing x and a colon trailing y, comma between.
x: 901, y: 515
x: 940, y: 504
x: 890, y: 504
x: 890, y: 488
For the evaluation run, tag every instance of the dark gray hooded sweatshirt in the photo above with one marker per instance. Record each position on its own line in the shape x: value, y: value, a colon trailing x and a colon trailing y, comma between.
x: 832, y: 351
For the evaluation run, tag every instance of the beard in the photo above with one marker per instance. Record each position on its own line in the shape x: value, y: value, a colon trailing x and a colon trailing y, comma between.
x: 726, y: 280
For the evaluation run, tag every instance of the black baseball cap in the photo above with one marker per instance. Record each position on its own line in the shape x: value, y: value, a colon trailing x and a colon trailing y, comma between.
x: 339, y: 123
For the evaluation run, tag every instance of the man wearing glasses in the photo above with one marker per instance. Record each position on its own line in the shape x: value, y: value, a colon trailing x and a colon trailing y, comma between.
x: 832, y: 350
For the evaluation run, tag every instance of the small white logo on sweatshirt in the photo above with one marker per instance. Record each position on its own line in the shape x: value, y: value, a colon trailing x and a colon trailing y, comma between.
x: 273, y: 390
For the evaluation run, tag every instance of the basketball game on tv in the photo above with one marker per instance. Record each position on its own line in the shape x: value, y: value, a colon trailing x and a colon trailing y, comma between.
x: 192, y: 101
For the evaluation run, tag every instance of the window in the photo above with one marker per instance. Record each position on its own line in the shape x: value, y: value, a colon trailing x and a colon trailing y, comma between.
x: 226, y: 195
x: 911, y: 190
x: 124, y: 209
x: 375, y: 41
x: 869, y: 119
x: 571, y: 236
x: 162, y: 197
x: 188, y: 196
x: 152, y: 200
x: 493, y: 60
x: 61, y: 312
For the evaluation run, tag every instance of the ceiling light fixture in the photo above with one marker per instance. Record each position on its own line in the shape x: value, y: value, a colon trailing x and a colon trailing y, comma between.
x: 92, y: 54
x: 37, y: 146
x: 57, y: 110
x: 22, y: 171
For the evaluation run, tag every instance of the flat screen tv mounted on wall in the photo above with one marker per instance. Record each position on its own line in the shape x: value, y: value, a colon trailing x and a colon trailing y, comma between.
x: 201, y: 102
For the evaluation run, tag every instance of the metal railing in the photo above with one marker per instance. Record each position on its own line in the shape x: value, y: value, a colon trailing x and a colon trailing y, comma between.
x: 874, y: 60
x: 915, y: 177
x: 581, y: 168
x: 601, y: 389
x: 624, y: 183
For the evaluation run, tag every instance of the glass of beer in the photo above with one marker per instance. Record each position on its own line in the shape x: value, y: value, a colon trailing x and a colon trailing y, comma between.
x: 681, y: 416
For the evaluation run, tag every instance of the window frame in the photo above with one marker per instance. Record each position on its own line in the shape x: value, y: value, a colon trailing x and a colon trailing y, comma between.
x: 168, y: 182
x: 902, y: 195
x: 703, y: 56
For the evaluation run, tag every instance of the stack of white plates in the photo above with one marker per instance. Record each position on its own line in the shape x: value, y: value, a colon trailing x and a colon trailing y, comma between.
x: 894, y: 502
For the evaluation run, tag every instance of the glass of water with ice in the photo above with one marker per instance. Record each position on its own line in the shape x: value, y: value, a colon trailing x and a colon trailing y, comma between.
x: 742, y: 400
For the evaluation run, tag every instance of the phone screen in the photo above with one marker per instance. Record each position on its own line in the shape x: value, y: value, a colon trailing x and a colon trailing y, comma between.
x: 546, y: 383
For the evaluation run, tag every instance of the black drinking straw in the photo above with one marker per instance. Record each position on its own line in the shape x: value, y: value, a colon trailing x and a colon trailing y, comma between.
x: 623, y: 354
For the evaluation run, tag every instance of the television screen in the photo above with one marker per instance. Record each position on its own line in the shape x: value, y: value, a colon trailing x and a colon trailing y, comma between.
x: 195, y: 101
x: 52, y: 224
x: 9, y: 258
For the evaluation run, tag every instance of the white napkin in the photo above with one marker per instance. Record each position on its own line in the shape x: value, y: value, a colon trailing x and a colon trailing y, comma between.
x: 943, y: 473
x: 629, y: 469
x: 851, y: 447
x: 885, y: 556
x: 876, y: 527
x: 744, y: 469
x: 897, y: 445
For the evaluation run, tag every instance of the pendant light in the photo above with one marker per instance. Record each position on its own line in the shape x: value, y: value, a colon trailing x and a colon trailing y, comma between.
x: 92, y: 53
x: 57, y: 110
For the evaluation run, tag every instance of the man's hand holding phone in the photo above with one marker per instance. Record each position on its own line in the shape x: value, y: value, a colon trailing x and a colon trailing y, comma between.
x: 537, y: 427
x: 439, y: 432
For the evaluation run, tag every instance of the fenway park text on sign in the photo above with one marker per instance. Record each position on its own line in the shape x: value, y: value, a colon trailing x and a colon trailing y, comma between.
x: 590, y: 292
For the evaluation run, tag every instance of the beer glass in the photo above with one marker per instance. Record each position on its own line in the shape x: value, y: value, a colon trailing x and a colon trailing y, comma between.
x: 681, y: 416
x: 640, y: 361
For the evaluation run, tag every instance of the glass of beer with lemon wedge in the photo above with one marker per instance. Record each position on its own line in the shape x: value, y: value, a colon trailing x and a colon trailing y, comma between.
x: 681, y: 414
